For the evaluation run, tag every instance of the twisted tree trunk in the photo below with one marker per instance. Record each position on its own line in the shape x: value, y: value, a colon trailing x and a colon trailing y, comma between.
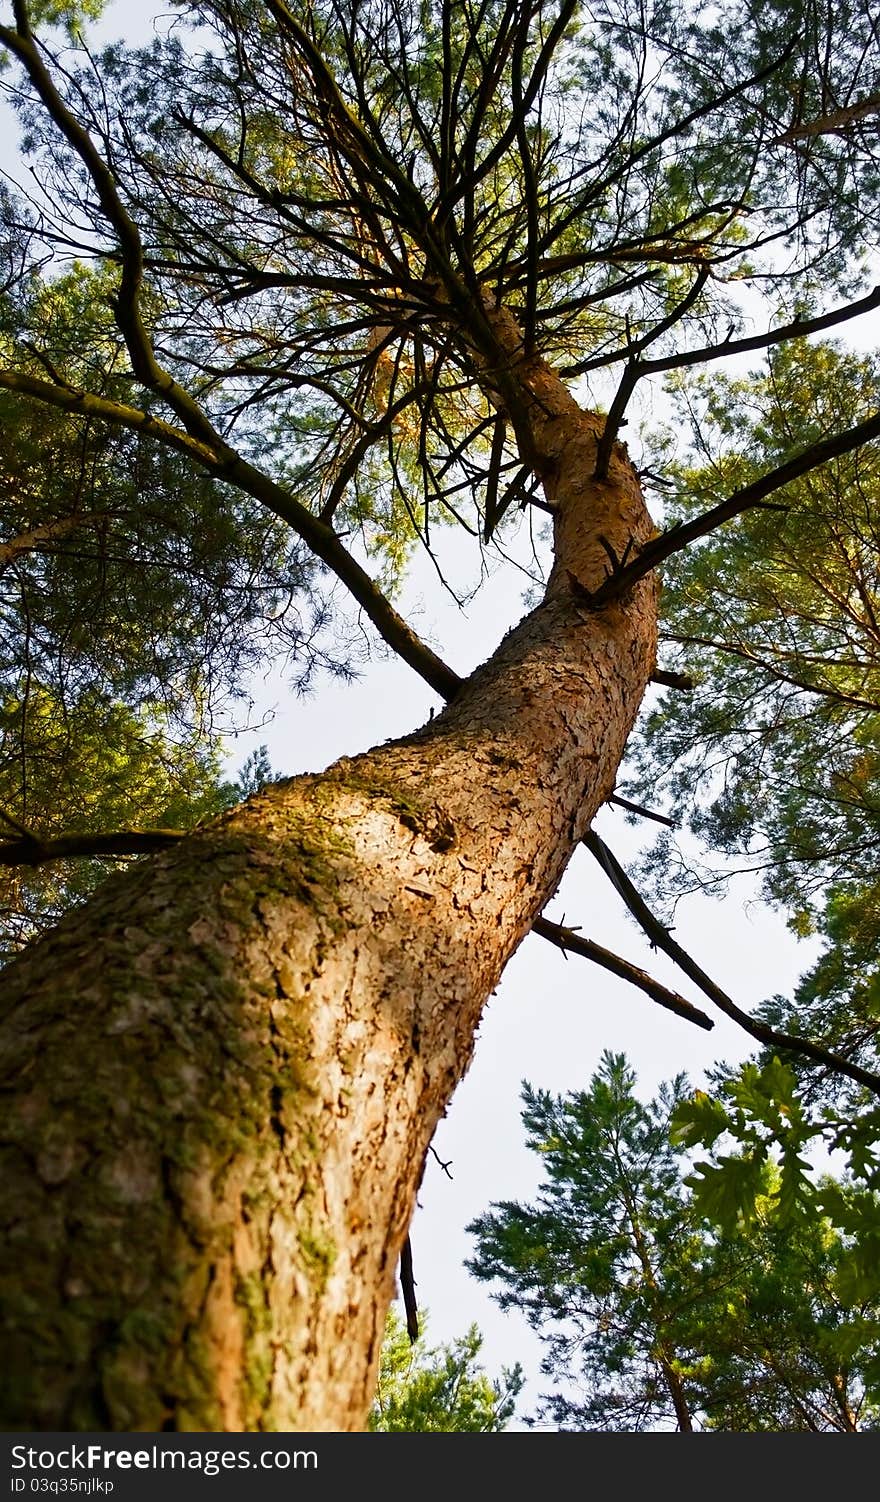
x: 225, y: 1070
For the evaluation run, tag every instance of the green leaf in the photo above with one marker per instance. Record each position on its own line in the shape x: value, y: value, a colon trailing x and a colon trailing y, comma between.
x: 700, y: 1120
x: 728, y: 1191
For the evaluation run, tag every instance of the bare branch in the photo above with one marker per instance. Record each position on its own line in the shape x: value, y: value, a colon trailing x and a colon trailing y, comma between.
x: 660, y: 935
x: 639, y: 808
x: 445, y: 1165
x: 635, y: 369
x: 408, y: 1289
x: 614, y: 419
x: 494, y: 511
x: 667, y: 679
x: 798, y: 329
x: 31, y: 850
x: 530, y: 184
x: 633, y: 348
x: 567, y: 939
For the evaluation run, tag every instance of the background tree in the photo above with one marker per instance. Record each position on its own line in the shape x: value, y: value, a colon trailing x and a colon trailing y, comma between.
x: 439, y: 1391
x: 135, y: 599
x: 773, y: 764
x: 600, y: 1265
x: 651, y: 1318
x: 356, y: 255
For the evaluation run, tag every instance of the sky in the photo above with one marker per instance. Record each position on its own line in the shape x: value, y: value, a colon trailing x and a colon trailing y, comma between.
x: 551, y: 1017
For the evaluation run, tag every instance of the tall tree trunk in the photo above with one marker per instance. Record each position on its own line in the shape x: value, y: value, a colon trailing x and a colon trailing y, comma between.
x: 225, y: 1070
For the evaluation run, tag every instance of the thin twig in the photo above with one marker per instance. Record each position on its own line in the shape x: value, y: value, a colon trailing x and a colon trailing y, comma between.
x: 447, y: 1166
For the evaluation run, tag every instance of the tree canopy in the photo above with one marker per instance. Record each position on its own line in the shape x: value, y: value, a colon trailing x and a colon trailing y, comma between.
x: 650, y: 1316
x: 773, y: 759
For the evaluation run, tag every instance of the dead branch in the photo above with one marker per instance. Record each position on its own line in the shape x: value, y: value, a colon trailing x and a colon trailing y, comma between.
x: 661, y: 937
x: 570, y: 941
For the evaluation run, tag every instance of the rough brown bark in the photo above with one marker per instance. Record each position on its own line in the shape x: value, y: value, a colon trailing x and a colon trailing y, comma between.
x: 225, y: 1071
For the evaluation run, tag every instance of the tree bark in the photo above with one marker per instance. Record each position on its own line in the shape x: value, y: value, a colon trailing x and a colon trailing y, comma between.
x: 224, y: 1071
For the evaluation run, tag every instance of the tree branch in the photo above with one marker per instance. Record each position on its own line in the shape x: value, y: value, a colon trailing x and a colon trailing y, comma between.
x: 148, y: 371
x: 635, y: 369
x: 667, y: 679
x: 530, y: 186
x: 614, y: 420
x: 681, y: 535
x: 408, y: 1289
x: 834, y: 123
x: 634, y: 347
x: 638, y: 808
x: 569, y: 940
x: 580, y: 203
x: 81, y: 403
x: 210, y: 449
x: 31, y: 850
x: 661, y: 937
x: 757, y: 658
x: 226, y: 465
x: 409, y: 206
x: 798, y: 329
x: 28, y: 542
